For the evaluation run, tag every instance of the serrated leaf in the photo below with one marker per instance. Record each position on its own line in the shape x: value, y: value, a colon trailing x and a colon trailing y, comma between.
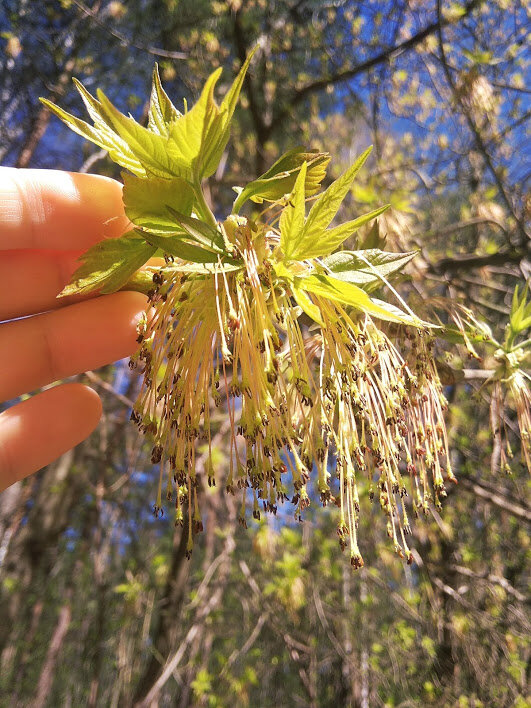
x: 279, y: 180
x: 520, y: 317
x: 151, y: 150
x: 201, y: 134
x: 199, y: 231
x: 330, y: 239
x: 373, y: 239
x: 109, y: 264
x: 292, y: 217
x: 146, y: 201
x: 327, y: 206
x: 404, y: 317
x: 348, y: 294
x: 351, y: 266
x: 117, y: 148
x: 162, y: 112
x: 175, y: 245
x: 231, y: 98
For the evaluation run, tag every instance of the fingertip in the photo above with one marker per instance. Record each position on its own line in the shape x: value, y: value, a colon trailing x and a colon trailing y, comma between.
x: 37, y: 431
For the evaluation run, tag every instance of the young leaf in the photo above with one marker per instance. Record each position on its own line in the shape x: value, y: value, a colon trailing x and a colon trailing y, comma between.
x: 330, y: 239
x: 151, y: 150
x: 326, y: 207
x: 109, y: 264
x: 292, y: 217
x: 175, y: 245
x: 101, y: 136
x: 373, y: 239
x: 304, y: 302
x: 280, y: 178
x: 146, y: 201
x: 188, y: 135
x: 162, y: 112
x: 200, y: 136
x: 199, y: 231
x: 349, y: 294
x: 352, y: 267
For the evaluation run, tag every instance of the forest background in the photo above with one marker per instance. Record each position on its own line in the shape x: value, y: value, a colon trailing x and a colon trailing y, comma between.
x: 98, y: 605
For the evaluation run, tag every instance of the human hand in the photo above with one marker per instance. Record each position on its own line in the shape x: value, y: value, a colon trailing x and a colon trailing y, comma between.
x: 47, y: 219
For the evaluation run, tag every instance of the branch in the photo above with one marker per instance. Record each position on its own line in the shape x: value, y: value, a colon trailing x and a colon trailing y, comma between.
x: 156, y: 51
x: 480, y: 144
x: 496, y: 579
x: 365, y: 66
x: 468, y: 261
x: 490, y: 494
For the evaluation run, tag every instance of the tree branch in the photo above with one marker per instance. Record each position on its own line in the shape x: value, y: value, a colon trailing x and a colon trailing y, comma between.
x: 480, y: 143
x: 300, y: 94
x: 518, y: 509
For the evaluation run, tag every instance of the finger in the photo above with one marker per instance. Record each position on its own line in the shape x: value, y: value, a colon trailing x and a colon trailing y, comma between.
x: 45, y: 348
x: 37, y: 431
x: 31, y: 280
x: 58, y: 210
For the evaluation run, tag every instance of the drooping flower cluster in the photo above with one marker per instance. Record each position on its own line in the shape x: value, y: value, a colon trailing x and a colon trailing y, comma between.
x: 340, y: 402
x: 268, y: 321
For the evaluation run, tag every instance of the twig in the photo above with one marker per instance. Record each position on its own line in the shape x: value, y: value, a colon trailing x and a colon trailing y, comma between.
x: 502, y: 582
x: 480, y: 144
x: 157, y: 51
x: 248, y: 644
x: 520, y: 511
x: 107, y: 386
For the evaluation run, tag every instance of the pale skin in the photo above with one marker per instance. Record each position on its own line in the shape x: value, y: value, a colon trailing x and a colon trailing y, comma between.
x: 47, y: 219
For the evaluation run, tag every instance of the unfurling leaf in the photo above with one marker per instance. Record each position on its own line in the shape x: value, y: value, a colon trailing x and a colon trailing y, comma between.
x: 198, y: 231
x: 279, y: 180
x: 176, y: 245
x: 200, y: 136
x: 327, y: 206
x: 108, y: 265
x: 151, y: 150
x: 162, y: 112
x: 101, y: 135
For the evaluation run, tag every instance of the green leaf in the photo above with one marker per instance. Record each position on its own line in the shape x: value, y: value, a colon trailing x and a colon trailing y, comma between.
x: 279, y: 180
x: 109, y: 264
x: 191, y: 135
x: 520, y: 318
x: 102, y: 136
x: 200, y: 136
x: 292, y: 217
x: 330, y: 239
x: 174, y: 245
x: 302, y: 299
x: 162, y: 112
x: 352, y: 267
x: 146, y: 200
x: 348, y: 294
x: 151, y: 150
x: 373, y: 239
x: 326, y: 207
x: 231, y: 98
x: 199, y: 231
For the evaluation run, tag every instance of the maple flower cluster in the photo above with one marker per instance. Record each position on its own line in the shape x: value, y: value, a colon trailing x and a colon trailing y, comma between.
x: 269, y: 320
